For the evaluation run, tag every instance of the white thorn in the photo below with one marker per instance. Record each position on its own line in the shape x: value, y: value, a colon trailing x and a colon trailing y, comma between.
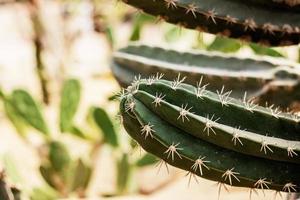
x: 249, y: 104
x: 121, y: 94
x: 184, y: 111
x: 275, y: 112
x: 262, y: 184
x: 200, y: 90
x: 150, y: 80
x: 129, y: 106
x: 291, y: 152
x: 211, y: 14
x: 191, y: 174
x: 171, y: 3
x: 172, y: 151
x: 137, y: 79
x: 209, y: 124
x: 236, y: 136
x: 160, y: 163
x: 133, y: 88
x: 177, y: 82
x: 220, y: 185
x: 191, y: 9
x: 229, y: 174
x: 224, y: 97
x: 289, y: 187
x: 158, y: 98
x: 198, y: 165
x: 147, y: 130
x: 265, y: 147
x: 159, y: 76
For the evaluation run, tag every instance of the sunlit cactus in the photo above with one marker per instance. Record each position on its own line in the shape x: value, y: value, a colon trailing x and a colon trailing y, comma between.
x: 213, y: 135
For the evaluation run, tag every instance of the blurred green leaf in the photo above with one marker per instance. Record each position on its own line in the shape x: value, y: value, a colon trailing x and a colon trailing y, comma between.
x: 113, y: 97
x: 146, y: 160
x: 11, y: 169
x: 1, y: 94
x: 28, y: 110
x: 173, y: 34
x: 138, y: 25
x: 13, y: 116
x: 43, y: 194
x: 261, y: 50
x: 123, y: 174
x: 225, y: 45
x: 48, y: 174
x: 110, y: 36
x: 70, y: 98
x: 77, y: 132
x: 59, y: 156
x: 105, y: 124
x: 81, y: 176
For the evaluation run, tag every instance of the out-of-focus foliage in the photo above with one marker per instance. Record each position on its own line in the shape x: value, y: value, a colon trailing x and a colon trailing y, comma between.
x: 104, y: 123
x: 70, y: 98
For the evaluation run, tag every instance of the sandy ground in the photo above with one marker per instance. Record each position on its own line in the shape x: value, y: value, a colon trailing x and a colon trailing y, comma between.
x: 90, y: 55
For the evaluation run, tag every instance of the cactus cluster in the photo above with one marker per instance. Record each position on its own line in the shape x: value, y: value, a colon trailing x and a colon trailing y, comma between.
x: 224, y: 136
x: 213, y: 135
x: 266, y: 22
x: 266, y: 80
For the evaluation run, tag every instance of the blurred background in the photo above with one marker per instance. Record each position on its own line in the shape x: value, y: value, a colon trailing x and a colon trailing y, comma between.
x: 60, y: 135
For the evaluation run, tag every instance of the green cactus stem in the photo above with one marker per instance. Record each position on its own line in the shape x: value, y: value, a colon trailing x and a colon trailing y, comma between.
x: 257, y: 77
x: 203, y: 159
x: 238, y: 125
x: 232, y: 18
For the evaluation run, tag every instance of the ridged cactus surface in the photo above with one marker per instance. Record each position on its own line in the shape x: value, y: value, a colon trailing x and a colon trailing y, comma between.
x: 272, y: 81
x: 265, y: 22
x: 213, y: 135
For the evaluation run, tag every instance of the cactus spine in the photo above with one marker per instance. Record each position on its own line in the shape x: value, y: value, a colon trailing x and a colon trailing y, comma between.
x: 200, y: 135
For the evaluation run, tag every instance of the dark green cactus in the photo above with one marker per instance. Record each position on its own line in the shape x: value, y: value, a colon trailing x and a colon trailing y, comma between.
x: 249, y: 21
x: 259, y: 78
x: 203, y: 133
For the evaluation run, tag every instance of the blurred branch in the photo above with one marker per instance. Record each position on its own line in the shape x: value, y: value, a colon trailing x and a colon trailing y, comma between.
x: 38, y: 43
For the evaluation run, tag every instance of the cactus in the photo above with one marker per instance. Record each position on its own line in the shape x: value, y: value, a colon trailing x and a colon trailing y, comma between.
x: 214, y: 135
x: 204, y: 134
x: 247, y: 21
x: 259, y: 78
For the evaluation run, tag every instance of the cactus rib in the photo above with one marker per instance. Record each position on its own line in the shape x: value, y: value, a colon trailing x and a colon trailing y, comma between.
x: 257, y: 77
x: 182, y: 150
x: 229, y: 18
x: 208, y: 129
x: 232, y: 112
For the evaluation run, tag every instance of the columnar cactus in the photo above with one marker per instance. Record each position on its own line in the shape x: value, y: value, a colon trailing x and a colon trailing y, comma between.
x: 259, y: 78
x: 213, y: 135
x: 267, y: 22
